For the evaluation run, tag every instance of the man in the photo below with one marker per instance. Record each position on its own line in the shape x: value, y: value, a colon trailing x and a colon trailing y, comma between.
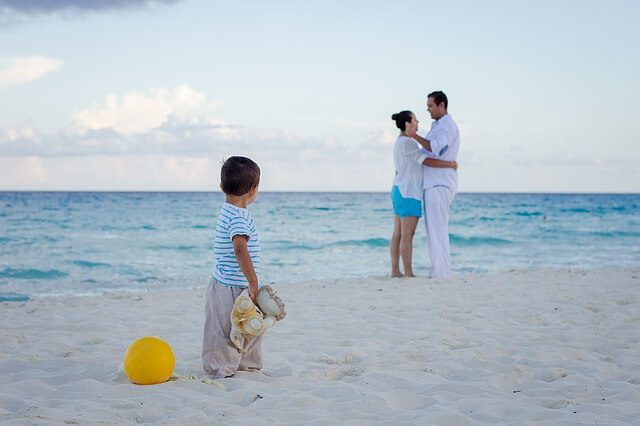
x: 439, y: 185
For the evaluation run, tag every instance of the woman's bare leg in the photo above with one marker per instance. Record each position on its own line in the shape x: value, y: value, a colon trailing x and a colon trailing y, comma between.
x: 394, y: 248
x: 407, y: 229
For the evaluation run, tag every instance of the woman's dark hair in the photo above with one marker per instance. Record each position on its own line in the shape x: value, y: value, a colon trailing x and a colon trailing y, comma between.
x: 439, y: 97
x: 401, y: 118
x: 239, y: 175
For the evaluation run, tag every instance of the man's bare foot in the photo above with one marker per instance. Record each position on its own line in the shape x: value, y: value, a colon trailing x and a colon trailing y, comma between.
x: 396, y: 275
x: 409, y: 276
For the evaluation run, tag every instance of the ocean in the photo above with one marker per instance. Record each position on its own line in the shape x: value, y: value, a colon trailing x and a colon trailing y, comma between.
x: 76, y: 243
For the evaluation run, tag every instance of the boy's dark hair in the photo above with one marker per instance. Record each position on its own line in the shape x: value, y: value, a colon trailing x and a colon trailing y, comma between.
x: 439, y: 97
x: 239, y: 175
x: 401, y: 118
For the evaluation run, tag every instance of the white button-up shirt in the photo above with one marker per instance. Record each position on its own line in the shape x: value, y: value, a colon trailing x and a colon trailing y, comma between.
x: 445, y: 142
x: 408, y: 159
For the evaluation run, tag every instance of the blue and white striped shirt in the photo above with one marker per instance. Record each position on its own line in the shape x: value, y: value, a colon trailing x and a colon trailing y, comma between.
x: 233, y: 221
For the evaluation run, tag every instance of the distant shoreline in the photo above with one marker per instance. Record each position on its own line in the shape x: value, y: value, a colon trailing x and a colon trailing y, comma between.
x: 125, y: 293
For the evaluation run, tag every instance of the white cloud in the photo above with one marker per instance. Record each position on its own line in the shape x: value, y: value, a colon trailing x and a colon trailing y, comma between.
x: 25, y: 131
x: 106, y: 173
x: 178, y: 173
x: 175, y: 122
x: 139, y: 112
x: 171, y: 139
x: 27, y: 68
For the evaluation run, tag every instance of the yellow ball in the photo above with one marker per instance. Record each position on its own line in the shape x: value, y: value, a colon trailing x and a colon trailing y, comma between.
x: 149, y: 360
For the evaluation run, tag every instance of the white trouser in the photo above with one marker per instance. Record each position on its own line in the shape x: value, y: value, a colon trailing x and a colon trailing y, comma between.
x: 437, y: 202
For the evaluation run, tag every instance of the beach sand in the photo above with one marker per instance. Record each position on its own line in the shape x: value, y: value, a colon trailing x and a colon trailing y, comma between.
x: 515, y: 347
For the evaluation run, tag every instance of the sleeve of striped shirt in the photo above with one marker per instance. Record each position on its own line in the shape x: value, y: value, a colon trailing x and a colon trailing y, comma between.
x: 239, y: 226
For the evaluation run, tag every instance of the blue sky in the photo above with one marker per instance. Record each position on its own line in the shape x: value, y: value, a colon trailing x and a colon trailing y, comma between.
x: 144, y: 95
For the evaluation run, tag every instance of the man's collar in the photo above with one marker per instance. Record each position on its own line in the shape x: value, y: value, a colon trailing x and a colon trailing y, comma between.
x: 446, y: 115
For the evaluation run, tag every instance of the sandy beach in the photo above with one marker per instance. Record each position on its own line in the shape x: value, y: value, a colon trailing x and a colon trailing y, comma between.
x: 557, y: 347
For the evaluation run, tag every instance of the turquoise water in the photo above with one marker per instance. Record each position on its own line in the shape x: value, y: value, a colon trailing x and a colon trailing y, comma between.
x: 87, y: 243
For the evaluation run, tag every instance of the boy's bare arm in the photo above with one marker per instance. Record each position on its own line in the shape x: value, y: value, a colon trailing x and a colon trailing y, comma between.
x: 244, y: 260
x: 440, y: 164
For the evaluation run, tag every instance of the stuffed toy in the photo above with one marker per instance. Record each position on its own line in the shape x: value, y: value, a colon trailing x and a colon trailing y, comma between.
x: 248, y: 320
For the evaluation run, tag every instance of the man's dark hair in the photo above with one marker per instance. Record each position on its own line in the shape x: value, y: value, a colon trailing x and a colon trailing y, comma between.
x: 439, y: 97
x: 239, y: 175
x: 401, y: 118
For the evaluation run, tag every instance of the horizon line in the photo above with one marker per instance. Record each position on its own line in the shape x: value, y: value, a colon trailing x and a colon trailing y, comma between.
x: 115, y: 191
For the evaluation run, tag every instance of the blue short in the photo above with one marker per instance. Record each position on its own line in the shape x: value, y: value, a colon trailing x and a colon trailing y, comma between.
x: 404, y: 207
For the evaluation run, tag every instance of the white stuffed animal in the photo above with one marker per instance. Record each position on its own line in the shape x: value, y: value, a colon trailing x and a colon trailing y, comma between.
x: 249, y: 320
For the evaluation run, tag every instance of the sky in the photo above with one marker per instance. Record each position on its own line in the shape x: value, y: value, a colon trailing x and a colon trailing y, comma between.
x: 153, y: 95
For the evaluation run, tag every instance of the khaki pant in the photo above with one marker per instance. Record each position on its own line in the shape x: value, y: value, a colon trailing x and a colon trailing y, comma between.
x: 220, y: 358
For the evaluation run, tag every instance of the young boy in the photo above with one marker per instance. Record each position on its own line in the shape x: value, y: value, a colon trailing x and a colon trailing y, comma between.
x: 237, y: 254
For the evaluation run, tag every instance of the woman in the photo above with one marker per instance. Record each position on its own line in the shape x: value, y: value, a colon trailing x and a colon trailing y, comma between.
x: 406, y: 194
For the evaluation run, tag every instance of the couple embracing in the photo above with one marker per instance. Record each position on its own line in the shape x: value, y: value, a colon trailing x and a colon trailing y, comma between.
x: 426, y: 181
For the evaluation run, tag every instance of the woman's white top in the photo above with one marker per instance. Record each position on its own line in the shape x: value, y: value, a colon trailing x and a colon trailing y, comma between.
x: 408, y: 159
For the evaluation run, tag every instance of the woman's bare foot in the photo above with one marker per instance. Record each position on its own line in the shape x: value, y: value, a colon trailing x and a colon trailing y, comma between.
x: 396, y: 275
x: 409, y: 276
